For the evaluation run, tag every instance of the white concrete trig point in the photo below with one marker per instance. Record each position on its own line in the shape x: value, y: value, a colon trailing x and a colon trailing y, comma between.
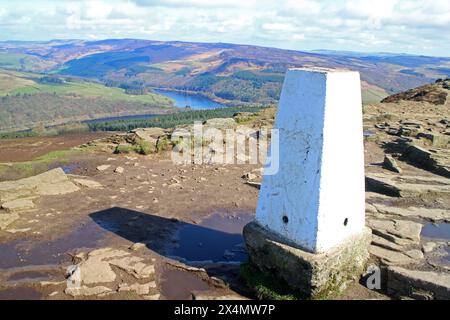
x: 313, y: 210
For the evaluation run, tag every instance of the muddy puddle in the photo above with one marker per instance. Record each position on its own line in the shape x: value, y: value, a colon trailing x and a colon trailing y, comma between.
x: 179, y: 285
x: 439, y: 231
x: 20, y: 293
x: 217, y: 238
x: 20, y: 253
x: 28, y: 262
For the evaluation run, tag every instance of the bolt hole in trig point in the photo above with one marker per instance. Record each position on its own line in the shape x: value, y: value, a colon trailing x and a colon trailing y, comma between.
x: 208, y: 145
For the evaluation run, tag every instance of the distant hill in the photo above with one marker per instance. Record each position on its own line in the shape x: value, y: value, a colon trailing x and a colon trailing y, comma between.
x: 236, y: 74
x: 30, y: 99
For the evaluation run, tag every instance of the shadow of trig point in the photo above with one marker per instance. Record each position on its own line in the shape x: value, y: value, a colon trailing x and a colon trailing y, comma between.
x: 310, y: 220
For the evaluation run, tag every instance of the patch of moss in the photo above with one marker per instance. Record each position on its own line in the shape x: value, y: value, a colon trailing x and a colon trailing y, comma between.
x: 163, y: 144
x: 124, y: 149
x: 267, y: 287
x: 143, y: 147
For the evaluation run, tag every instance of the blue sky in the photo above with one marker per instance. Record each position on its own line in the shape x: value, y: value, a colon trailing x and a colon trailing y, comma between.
x: 409, y: 26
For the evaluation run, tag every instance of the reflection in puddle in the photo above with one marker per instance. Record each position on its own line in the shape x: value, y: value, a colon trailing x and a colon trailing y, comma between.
x: 217, y: 238
x: 179, y: 285
x: 440, y: 231
x: 67, y: 168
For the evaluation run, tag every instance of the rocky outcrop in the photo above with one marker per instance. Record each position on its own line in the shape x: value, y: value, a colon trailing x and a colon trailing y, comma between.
x: 391, y: 164
x: 437, y: 161
x: 432, y: 93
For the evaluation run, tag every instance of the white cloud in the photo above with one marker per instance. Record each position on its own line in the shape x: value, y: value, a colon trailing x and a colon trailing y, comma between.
x: 372, y: 25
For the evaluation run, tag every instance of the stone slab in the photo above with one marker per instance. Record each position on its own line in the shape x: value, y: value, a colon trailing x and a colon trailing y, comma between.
x: 418, y: 284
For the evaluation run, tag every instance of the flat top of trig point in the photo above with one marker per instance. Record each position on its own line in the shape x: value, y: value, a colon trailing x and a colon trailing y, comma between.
x: 321, y: 70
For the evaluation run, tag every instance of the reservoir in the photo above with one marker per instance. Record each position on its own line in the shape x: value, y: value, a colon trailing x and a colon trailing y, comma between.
x: 194, y: 101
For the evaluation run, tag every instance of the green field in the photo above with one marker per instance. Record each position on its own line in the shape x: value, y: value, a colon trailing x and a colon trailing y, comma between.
x: 29, y: 99
x: 370, y: 96
x: 13, y: 82
x: 22, y: 61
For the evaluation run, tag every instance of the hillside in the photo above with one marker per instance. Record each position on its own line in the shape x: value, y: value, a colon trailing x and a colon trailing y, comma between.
x: 236, y: 74
x: 29, y: 99
x: 436, y: 93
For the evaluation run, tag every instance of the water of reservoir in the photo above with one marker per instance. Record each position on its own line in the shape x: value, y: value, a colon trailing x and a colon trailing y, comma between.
x: 183, y: 99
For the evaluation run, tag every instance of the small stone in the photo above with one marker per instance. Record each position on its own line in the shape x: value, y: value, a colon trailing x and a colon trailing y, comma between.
x: 54, y: 293
x: 103, y: 167
x: 88, y: 183
x: 119, y: 170
x: 249, y: 176
x: 137, y: 246
x: 429, y: 247
x: 152, y: 297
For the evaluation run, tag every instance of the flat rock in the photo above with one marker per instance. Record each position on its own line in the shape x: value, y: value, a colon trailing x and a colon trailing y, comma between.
x: 87, y: 291
x: 149, y: 134
x: 401, y: 232
x: 18, y: 205
x: 386, y: 244
x: 103, y: 167
x: 134, y: 266
x: 53, y: 182
x: 141, y: 289
x: 220, y: 123
x: 6, y: 219
x: 390, y: 257
x: 96, y: 269
x: 406, y: 186
x: 418, y: 284
x: 91, y: 184
x: 424, y: 213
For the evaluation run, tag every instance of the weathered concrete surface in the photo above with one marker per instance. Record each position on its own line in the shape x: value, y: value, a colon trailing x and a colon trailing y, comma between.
x: 308, y: 200
x: 418, y: 284
x: 317, y: 276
